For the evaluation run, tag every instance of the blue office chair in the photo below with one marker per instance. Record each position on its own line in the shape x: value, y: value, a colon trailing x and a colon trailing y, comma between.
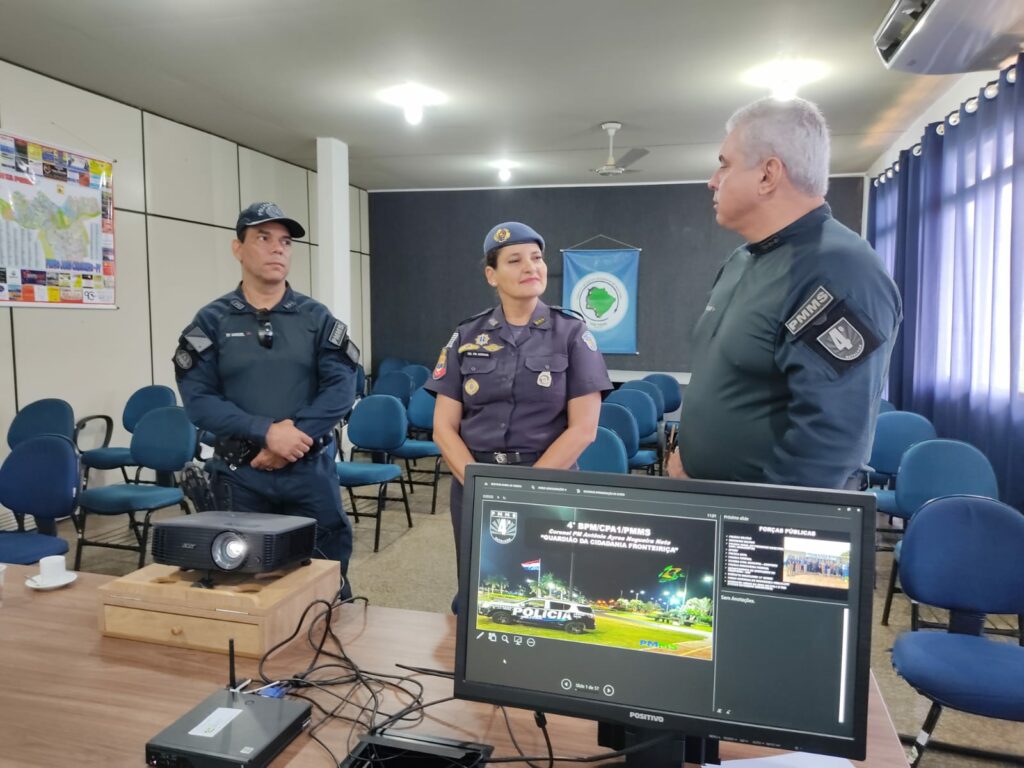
x: 418, y: 373
x: 671, y: 392
x: 644, y: 410
x: 397, y: 384
x: 38, y: 478
x: 389, y: 364
x: 141, y: 402
x: 895, y: 431
x: 49, y: 416
x: 884, y: 406
x: 605, y: 454
x: 620, y: 420
x: 964, y: 554
x: 378, y: 425
x: 655, y: 439
x: 164, y: 441
x: 419, y: 445
x: 930, y: 470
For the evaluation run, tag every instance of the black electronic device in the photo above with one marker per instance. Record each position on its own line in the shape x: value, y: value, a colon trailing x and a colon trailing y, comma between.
x: 229, y: 730
x: 673, y: 610
x: 236, y: 542
x: 412, y: 750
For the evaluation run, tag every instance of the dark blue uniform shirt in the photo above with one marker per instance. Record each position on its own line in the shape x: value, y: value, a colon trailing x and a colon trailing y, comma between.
x: 232, y: 385
x: 790, y: 358
x: 515, y: 390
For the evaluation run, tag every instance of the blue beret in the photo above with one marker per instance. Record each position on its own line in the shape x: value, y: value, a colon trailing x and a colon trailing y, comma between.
x: 510, y: 233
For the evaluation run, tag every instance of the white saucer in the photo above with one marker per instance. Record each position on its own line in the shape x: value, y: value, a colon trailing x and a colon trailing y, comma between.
x: 34, y: 583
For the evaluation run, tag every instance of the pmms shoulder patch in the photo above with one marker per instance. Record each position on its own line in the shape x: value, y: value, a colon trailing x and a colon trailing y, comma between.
x: 810, y: 309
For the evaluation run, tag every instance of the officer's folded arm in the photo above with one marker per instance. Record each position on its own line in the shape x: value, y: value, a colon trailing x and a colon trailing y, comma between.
x: 583, y: 412
x: 447, y: 418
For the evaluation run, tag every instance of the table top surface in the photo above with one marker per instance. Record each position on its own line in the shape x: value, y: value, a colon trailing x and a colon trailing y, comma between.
x: 69, y: 691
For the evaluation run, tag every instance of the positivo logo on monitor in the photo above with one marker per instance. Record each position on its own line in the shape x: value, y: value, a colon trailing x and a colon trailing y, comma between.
x: 646, y: 716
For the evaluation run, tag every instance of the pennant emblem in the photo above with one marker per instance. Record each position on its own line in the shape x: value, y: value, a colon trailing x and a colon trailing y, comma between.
x: 441, y: 368
x: 842, y: 340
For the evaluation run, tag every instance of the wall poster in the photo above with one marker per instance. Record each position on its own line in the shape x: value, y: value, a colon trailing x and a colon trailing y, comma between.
x: 56, y: 227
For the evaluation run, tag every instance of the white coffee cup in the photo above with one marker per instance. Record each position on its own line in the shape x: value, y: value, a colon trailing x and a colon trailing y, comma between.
x: 52, y: 570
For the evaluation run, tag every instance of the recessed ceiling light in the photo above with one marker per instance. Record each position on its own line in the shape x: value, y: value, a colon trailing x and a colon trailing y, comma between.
x: 785, y: 76
x: 504, y: 168
x: 412, y: 98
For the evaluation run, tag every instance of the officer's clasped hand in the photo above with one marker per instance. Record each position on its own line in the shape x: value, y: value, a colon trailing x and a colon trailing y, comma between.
x: 288, y: 441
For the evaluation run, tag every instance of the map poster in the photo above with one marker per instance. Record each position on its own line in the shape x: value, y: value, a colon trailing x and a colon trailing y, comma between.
x: 601, y: 286
x: 56, y: 227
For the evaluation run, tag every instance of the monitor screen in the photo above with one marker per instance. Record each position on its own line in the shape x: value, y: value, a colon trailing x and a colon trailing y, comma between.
x: 717, y: 610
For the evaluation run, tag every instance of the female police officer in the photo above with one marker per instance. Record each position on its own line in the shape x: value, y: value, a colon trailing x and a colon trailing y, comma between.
x: 520, y: 383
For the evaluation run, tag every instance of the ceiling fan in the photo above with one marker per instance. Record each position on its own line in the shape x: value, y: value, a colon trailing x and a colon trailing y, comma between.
x: 612, y: 168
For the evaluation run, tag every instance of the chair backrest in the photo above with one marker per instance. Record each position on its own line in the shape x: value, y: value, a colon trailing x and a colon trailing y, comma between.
x: 640, y: 405
x: 895, y: 431
x: 164, y: 439
x: 396, y: 384
x: 964, y: 553
x: 143, y: 401
x: 421, y: 409
x: 389, y: 364
x: 937, y: 468
x: 360, y: 381
x: 605, y: 454
x: 653, y: 390
x: 670, y: 390
x: 884, y: 406
x: 621, y: 421
x: 378, y: 423
x: 418, y: 373
x: 49, y: 416
x: 40, y: 477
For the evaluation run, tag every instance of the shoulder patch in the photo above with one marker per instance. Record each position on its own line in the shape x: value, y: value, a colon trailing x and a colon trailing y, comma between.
x: 337, y: 335
x: 814, y: 306
x: 452, y: 340
x: 845, y: 341
x: 441, y: 367
x: 196, y: 338
x: 352, y: 351
x: 589, y: 340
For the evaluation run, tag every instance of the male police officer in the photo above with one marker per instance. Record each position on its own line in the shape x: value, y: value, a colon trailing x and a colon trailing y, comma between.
x: 792, y: 351
x: 270, y: 372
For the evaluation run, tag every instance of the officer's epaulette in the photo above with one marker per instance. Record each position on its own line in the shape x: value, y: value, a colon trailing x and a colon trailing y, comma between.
x: 570, y: 313
x: 477, y: 315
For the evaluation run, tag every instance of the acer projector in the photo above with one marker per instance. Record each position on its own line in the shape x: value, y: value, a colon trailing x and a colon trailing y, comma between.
x: 235, y: 542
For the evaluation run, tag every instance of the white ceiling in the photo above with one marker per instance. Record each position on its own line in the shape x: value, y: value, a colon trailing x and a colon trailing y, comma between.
x: 527, y: 80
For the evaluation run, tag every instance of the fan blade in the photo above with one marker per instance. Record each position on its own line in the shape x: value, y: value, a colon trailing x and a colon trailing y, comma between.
x: 632, y: 156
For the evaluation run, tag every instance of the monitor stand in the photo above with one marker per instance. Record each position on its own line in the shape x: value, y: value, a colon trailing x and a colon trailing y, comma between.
x: 671, y: 753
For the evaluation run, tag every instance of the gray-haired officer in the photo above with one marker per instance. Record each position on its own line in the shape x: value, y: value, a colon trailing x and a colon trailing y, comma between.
x: 791, y: 353
x: 270, y: 372
x: 520, y: 383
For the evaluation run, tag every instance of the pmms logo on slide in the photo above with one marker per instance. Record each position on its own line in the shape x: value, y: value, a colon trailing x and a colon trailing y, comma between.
x: 646, y: 716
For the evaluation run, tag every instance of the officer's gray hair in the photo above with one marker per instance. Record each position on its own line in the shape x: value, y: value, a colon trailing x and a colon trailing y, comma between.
x: 793, y: 131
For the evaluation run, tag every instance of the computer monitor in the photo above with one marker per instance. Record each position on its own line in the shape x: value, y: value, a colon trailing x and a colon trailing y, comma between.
x: 716, y: 610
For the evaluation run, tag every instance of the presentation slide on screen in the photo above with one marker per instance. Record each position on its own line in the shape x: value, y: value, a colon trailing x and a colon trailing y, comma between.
x: 639, y: 582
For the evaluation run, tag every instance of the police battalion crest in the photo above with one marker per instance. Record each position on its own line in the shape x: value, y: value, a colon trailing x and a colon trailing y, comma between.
x: 842, y: 340
x: 504, y: 525
x: 502, y: 235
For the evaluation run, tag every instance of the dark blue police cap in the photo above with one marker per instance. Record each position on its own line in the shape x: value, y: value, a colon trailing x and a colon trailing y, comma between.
x: 510, y: 233
x: 260, y: 213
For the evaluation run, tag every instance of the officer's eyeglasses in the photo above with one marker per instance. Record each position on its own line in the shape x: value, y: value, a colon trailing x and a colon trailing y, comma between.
x: 265, y: 331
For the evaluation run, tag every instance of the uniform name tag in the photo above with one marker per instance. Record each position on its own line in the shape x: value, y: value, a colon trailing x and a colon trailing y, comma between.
x: 813, y: 307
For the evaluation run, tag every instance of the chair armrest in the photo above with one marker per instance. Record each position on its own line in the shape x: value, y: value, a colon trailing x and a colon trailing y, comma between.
x: 108, y: 424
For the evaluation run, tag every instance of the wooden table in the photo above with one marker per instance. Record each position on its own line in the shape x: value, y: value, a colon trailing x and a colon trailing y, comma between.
x: 68, y: 695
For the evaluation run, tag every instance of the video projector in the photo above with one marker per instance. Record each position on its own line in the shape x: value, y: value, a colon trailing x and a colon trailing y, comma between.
x: 233, y: 542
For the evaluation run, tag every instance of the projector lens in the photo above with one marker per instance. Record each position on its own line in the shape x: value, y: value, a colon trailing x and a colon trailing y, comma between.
x: 229, y: 550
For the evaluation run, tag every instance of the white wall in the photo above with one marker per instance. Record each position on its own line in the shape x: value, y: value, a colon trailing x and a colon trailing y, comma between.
x: 177, y: 192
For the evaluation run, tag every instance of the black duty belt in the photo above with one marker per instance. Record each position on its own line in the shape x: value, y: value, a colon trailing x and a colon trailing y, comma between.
x: 505, y: 457
x: 238, y: 451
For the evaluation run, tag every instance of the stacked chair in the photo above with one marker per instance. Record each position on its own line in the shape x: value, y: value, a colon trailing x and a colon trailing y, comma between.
x: 605, y: 454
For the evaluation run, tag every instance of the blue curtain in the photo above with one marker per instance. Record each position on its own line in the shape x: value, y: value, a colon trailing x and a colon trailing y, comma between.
x: 949, y: 222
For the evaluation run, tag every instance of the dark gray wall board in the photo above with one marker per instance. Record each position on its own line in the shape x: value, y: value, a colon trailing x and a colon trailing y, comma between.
x: 426, y: 272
